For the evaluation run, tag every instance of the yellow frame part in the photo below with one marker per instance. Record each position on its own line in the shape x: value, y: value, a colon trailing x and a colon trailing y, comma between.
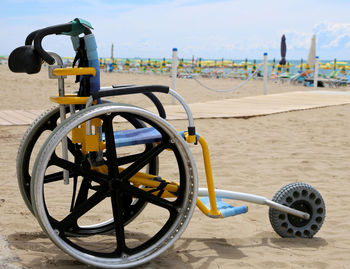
x: 69, y: 99
x: 74, y: 71
x: 213, y: 211
x: 93, y: 143
x: 89, y: 142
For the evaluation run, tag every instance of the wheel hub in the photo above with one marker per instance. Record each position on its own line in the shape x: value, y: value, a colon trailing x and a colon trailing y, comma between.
x: 303, y: 206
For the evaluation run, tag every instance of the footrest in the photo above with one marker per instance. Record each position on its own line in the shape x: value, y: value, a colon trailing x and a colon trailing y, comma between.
x: 225, y: 209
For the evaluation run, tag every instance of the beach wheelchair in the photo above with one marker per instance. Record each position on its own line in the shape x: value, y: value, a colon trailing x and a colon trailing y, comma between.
x: 115, y: 185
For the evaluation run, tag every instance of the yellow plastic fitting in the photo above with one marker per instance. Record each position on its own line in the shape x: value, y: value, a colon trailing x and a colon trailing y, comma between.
x: 74, y: 71
x: 69, y: 99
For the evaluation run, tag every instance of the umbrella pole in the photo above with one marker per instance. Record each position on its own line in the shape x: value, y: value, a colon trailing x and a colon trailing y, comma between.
x: 173, y: 73
x: 316, y: 73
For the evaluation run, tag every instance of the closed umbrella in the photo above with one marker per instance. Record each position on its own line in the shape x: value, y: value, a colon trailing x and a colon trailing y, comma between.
x: 254, y: 67
x: 283, y: 50
x: 312, y: 52
x: 288, y: 67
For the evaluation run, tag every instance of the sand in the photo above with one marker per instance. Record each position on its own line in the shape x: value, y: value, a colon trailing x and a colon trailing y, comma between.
x: 257, y: 155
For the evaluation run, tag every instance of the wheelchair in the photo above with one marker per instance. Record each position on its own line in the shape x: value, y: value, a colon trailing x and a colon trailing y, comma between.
x: 115, y: 185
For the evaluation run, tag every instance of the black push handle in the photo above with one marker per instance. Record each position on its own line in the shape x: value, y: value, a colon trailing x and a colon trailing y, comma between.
x: 157, y: 103
x: 130, y: 90
x: 30, y: 38
x: 40, y: 34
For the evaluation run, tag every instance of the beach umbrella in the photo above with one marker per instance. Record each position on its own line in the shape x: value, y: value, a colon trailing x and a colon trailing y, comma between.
x: 283, y: 50
x: 287, y: 67
x: 127, y: 64
x: 148, y: 65
x: 343, y: 71
x: 279, y: 68
x: 199, y: 68
x: 181, y: 64
x: 326, y: 66
x: 312, y: 52
x: 245, y: 66
x: 163, y: 65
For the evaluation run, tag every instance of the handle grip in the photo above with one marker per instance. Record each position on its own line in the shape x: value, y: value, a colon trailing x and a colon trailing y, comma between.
x: 40, y: 34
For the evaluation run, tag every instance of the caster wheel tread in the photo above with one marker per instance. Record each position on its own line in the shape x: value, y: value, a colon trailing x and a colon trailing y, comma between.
x: 302, y: 197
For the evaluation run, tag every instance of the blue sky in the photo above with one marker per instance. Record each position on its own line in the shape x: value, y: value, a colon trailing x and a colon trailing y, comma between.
x: 233, y: 29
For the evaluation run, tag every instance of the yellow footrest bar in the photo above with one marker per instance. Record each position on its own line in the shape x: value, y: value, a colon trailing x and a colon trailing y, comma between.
x: 74, y: 71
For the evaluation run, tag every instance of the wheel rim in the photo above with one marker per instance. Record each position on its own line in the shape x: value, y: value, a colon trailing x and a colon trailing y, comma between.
x: 115, y: 186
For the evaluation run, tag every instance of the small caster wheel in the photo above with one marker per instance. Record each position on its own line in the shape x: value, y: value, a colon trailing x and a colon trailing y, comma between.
x: 302, y: 197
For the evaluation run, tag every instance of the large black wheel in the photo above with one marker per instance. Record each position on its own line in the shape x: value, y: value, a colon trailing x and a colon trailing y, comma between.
x: 170, y: 196
x: 35, y: 136
x: 302, y: 197
x: 41, y: 127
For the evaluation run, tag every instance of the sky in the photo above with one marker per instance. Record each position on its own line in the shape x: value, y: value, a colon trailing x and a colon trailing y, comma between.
x: 234, y: 29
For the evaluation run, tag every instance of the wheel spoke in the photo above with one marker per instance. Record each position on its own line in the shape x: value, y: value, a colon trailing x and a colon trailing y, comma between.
x: 79, y: 170
x: 83, y: 193
x: 81, y: 209
x: 117, y: 207
x: 149, y: 197
x: 141, y: 162
x: 54, y: 177
x: 111, y: 153
x: 129, y: 159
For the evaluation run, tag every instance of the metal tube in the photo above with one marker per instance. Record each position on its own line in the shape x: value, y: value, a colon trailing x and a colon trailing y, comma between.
x: 256, y: 199
x: 62, y: 116
x: 185, y: 106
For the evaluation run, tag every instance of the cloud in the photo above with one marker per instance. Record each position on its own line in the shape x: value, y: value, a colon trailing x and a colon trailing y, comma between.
x: 332, y: 40
x: 333, y: 35
x: 208, y: 29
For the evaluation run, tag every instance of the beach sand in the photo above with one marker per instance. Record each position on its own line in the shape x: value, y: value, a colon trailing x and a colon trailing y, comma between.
x: 257, y: 155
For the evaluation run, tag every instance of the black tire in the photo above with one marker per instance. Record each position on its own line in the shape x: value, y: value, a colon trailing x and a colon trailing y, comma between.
x: 302, y: 197
x: 47, y: 121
